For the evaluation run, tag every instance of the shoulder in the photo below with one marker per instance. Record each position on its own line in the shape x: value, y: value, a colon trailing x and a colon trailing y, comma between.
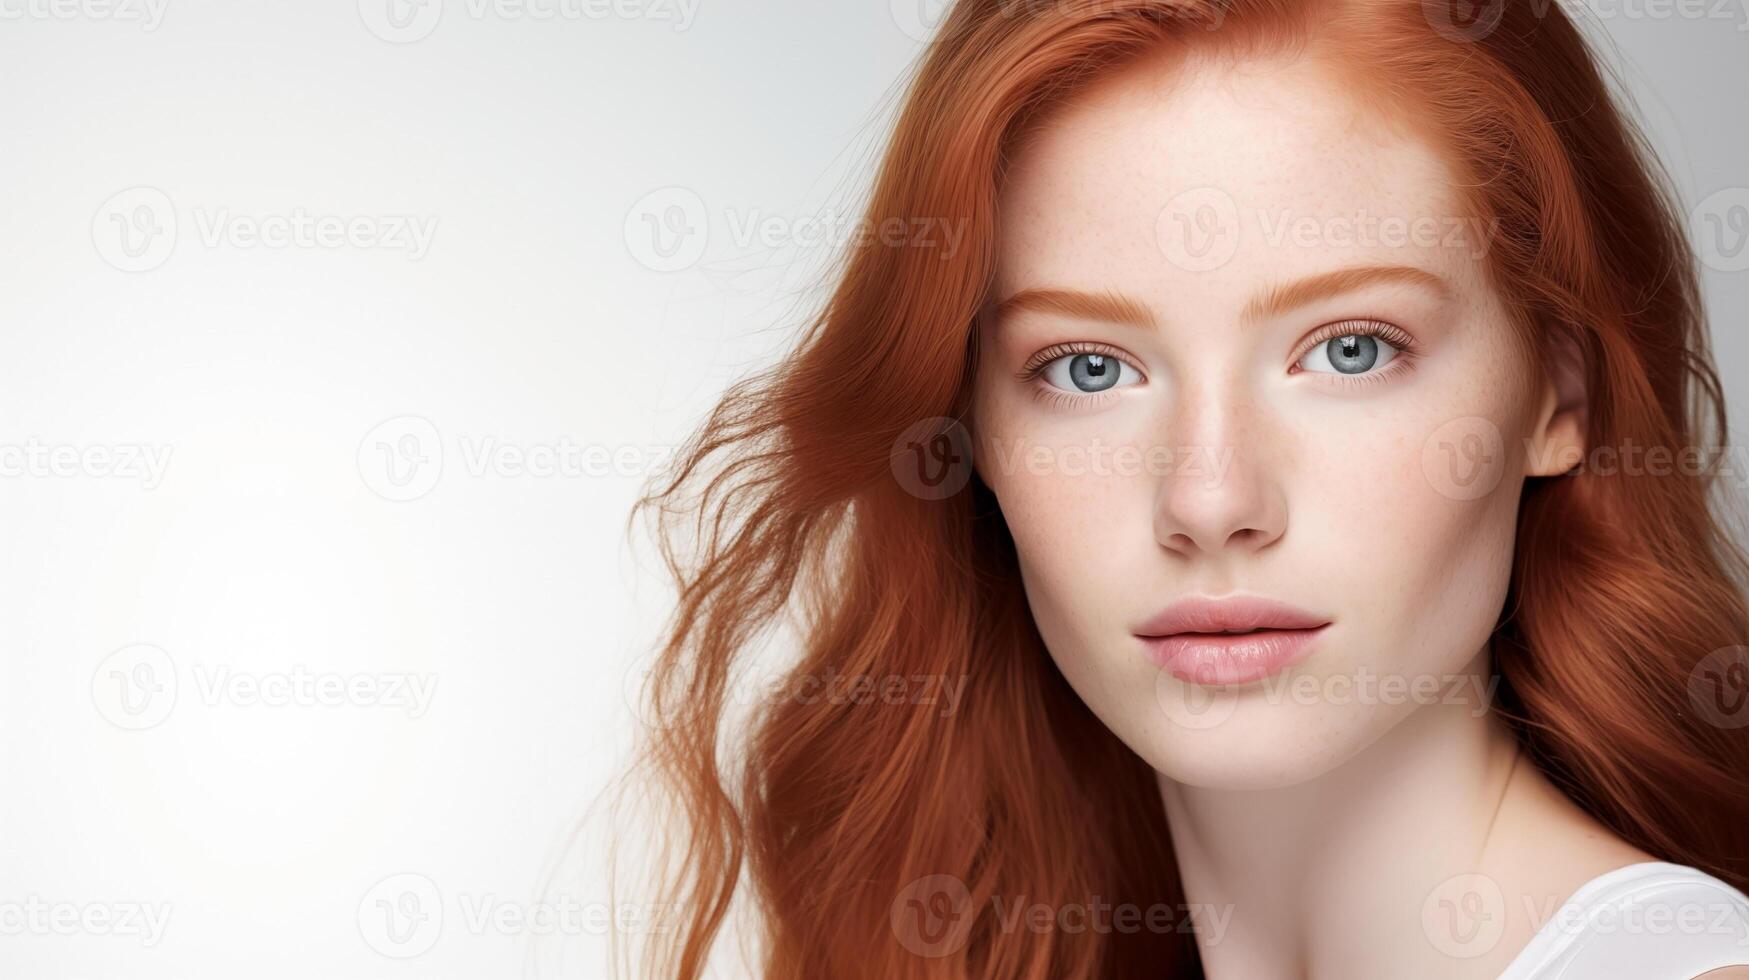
x: 1649, y: 919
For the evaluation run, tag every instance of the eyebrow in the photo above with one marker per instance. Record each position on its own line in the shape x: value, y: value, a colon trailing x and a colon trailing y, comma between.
x: 1280, y: 299
x: 1112, y: 307
x: 1108, y: 306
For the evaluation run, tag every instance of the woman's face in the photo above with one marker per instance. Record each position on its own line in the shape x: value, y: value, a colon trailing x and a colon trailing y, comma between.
x: 1243, y: 345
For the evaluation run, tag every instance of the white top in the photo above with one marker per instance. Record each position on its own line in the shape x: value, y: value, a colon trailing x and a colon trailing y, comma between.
x: 1648, y: 921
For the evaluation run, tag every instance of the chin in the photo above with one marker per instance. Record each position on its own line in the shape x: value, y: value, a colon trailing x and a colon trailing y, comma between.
x: 1226, y: 739
x: 1238, y: 766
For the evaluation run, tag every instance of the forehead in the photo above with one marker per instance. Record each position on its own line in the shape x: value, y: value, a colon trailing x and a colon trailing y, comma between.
x: 1102, y: 192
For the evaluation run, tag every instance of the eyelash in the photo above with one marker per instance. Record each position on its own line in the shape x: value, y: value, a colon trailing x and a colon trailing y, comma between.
x: 1035, y: 365
x: 1407, y: 351
x: 1032, y: 372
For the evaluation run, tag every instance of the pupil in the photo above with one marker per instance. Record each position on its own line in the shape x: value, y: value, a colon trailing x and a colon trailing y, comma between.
x: 1090, y: 372
x: 1353, y: 354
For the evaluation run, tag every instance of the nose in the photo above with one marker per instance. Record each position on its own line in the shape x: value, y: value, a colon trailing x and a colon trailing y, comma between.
x: 1223, y: 494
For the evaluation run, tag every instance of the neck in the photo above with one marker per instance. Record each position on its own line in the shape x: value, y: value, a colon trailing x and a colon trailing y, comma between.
x: 1329, y: 877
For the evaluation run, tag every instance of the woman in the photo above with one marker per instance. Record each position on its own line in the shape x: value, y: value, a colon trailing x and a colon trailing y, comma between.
x: 1260, y: 473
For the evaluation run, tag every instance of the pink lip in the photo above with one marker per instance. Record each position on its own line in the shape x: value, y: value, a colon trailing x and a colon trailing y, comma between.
x: 1186, y: 638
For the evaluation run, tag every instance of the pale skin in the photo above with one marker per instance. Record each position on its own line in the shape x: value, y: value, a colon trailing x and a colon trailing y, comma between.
x: 1326, y: 824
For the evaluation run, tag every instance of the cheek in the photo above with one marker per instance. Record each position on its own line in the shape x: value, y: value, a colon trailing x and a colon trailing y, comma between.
x: 1077, y: 497
x: 1079, y: 524
x: 1421, y: 575
x: 1410, y: 521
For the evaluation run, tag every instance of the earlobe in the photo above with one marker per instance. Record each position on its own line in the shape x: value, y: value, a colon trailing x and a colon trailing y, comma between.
x: 1557, y: 443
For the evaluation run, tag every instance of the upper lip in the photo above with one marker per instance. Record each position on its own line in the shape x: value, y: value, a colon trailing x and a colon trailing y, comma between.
x: 1229, y: 613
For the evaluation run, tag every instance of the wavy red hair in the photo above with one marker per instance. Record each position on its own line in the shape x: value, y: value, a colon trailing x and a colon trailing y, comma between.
x: 785, y: 502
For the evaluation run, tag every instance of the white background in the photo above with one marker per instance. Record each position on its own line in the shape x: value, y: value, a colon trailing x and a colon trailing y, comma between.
x: 138, y: 608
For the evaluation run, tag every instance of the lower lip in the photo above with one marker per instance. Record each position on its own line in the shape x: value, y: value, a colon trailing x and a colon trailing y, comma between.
x: 1219, y: 659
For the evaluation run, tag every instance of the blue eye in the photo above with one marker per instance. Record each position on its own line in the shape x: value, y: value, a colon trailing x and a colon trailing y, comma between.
x: 1089, y: 374
x: 1355, y: 353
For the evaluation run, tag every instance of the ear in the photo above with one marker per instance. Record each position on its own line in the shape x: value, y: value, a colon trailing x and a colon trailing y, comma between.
x: 1556, y: 442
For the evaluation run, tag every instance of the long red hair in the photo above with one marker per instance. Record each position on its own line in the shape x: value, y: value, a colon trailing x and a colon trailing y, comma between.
x: 785, y: 505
